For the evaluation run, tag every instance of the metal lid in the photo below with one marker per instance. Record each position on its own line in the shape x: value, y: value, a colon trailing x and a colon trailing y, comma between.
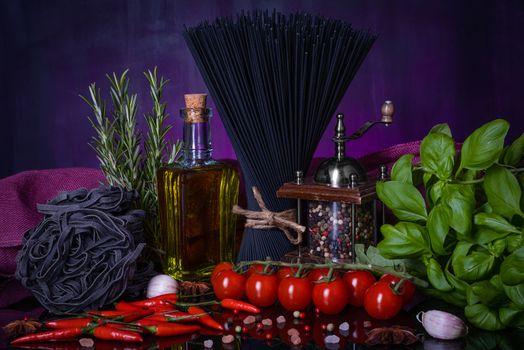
x: 337, y: 171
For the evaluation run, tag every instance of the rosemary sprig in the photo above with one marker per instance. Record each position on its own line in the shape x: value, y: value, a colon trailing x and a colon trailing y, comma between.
x: 126, y: 158
x: 159, y: 153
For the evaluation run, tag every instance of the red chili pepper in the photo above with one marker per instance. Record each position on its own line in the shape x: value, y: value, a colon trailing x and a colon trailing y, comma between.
x: 69, y: 323
x: 109, y: 333
x: 162, y: 308
x: 169, y: 296
x: 166, y: 329
x: 65, y: 333
x: 125, y: 306
x: 206, y: 320
x: 174, y: 316
x: 136, y: 315
x: 109, y: 313
x: 234, y: 304
x: 164, y: 299
x: 150, y: 303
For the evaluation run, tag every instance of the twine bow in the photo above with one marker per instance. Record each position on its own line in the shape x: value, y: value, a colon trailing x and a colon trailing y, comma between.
x: 266, y: 219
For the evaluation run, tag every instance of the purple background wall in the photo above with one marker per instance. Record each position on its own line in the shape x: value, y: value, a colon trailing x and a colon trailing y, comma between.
x: 439, y: 61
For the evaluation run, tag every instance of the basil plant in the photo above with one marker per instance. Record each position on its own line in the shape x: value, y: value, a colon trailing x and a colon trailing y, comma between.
x: 466, y: 226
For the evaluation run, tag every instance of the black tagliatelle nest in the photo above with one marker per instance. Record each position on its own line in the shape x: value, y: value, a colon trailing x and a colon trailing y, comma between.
x: 83, y: 254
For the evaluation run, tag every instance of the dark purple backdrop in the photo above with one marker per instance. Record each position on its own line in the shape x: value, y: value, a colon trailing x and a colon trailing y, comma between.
x: 440, y: 61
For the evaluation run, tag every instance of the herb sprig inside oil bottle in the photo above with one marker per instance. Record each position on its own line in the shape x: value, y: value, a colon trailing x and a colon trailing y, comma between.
x: 127, y: 158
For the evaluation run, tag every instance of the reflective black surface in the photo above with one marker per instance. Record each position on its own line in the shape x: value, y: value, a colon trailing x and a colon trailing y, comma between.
x: 311, y: 328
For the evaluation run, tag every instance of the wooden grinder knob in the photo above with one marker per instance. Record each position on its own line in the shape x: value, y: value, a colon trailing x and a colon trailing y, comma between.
x: 387, y: 111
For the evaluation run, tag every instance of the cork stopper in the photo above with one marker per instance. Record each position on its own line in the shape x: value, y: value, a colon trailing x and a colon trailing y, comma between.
x: 195, y: 111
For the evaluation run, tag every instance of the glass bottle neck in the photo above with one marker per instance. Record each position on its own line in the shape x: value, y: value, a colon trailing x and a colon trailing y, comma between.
x: 197, y: 142
x: 197, y: 136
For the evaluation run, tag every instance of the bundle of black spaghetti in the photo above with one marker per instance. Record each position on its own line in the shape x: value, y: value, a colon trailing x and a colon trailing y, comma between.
x: 276, y: 81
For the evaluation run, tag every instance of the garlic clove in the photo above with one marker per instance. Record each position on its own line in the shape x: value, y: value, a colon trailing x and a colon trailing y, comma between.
x: 442, y: 325
x: 161, y: 284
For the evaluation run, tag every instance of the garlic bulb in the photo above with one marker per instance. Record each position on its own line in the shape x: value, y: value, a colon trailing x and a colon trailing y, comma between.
x: 442, y: 325
x: 161, y: 284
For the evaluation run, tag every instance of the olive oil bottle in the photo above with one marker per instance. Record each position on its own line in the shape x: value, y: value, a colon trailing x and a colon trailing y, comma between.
x: 196, y: 198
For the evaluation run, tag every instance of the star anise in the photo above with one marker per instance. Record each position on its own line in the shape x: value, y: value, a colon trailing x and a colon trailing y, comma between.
x: 194, y: 288
x: 21, y: 327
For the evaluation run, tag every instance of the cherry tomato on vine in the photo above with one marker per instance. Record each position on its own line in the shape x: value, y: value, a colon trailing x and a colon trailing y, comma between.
x: 254, y: 268
x: 229, y: 284
x: 261, y: 289
x: 221, y: 266
x: 330, y: 297
x: 357, y: 283
x: 295, y: 293
x: 406, y: 291
x: 381, y: 302
x: 317, y: 274
x: 286, y: 271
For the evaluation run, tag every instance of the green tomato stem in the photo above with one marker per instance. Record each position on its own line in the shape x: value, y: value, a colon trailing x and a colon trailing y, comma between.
x: 349, y: 266
x: 299, y: 271
x: 397, y: 288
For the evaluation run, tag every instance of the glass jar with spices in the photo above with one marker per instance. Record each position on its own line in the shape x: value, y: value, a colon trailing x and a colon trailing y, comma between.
x: 342, y: 209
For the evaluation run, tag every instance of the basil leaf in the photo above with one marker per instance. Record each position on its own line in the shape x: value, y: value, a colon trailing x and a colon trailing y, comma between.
x: 521, y: 183
x: 441, y: 128
x: 458, y: 284
x: 515, y: 294
x: 373, y: 257
x: 496, y: 248
x: 427, y: 178
x: 436, y: 277
x: 474, y: 267
x: 514, y: 152
x: 404, y: 240
x: 436, y: 191
x: 403, y: 199
x: 438, y: 228
x: 486, y: 293
x: 402, y: 169
x: 482, y: 148
x: 454, y: 297
x: 461, y: 250
x: 512, y: 268
x: 470, y: 174
x: 485, y: 235
x: 513, y: 242
x: 360, y: 254
x: 511, y: 315
x: 496, y: 281
x: 483, y: 317
x: 503, y: 191
x: 461, y: 202
x: 495, y: 222
x: 437, y: 154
